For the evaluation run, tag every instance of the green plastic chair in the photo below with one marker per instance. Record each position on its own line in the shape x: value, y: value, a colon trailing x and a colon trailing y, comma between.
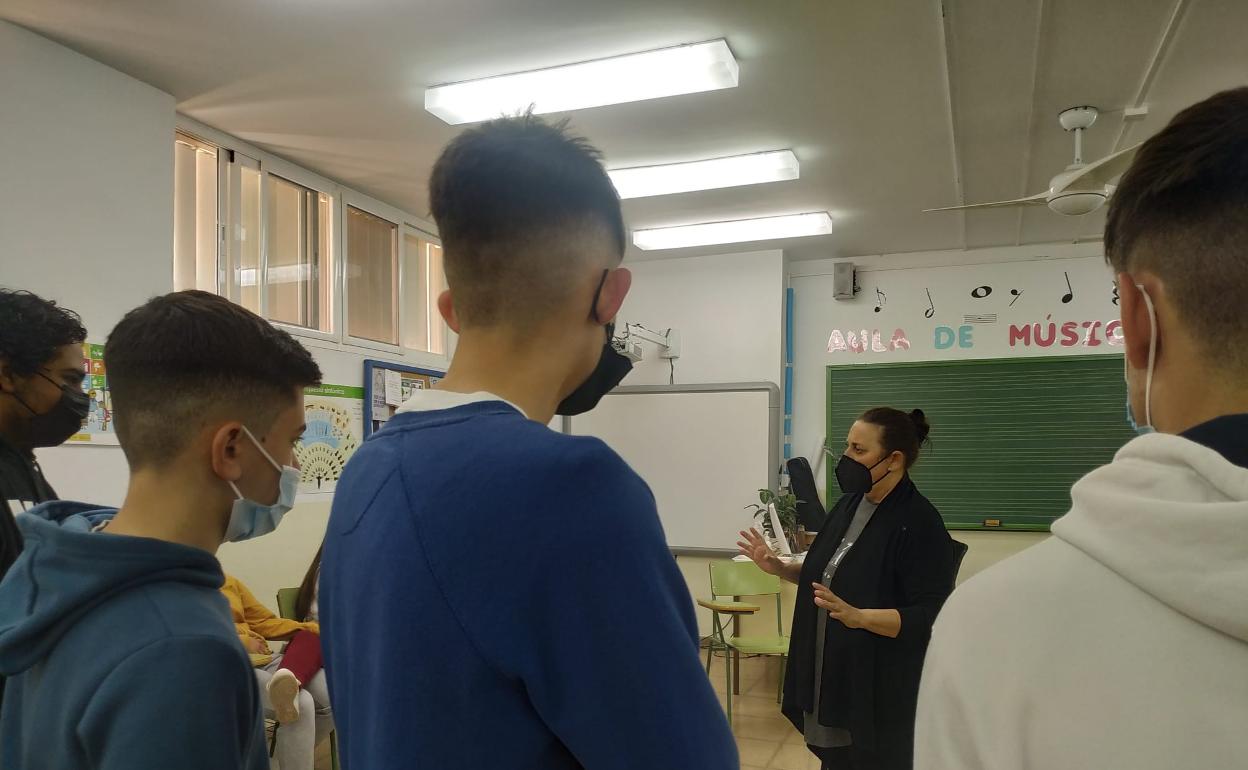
x: 287, y: 598
x: 737, y: 579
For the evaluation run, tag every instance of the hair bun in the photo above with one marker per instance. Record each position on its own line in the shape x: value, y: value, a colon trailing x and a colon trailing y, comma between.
x: 921, y: 428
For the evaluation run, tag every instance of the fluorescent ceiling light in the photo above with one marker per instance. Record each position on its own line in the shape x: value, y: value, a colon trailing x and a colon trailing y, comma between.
x: 685, y: 69
x: 738, y: 170
x: 740, y: 231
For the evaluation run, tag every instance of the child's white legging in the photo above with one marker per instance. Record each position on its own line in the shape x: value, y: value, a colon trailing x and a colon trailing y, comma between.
x: 297, y: 742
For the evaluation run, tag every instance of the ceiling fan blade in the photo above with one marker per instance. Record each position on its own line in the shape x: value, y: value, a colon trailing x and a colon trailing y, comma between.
x: 1102, y: 172
x: 1039, y: 199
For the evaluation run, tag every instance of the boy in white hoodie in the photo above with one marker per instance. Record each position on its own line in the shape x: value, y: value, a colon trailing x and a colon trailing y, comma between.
x: 1122, y: 640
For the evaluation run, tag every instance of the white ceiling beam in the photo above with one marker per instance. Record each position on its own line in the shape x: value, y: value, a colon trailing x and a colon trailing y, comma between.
x: 1151, y: 69
x: 946, y: 56
x: 1168, y: 33
x: 1036, y: 49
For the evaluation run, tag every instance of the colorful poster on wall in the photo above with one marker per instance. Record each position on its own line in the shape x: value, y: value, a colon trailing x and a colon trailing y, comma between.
x: 98, y: 427
x: 392, y: 386
x: 335, y: 420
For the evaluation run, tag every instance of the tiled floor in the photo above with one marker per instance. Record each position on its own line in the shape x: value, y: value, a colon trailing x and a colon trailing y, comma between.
x: 766, y: 740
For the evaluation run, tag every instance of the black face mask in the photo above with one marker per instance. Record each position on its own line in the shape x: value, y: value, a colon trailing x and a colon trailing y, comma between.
x: 854, y: 477
x: 55, y: 426
x: 613, y: 366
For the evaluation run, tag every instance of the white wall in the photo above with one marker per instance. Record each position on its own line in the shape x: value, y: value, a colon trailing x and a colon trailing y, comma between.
x: 1038, y: 272
x: 86, y: 205
x: 728, y: 308
x: 730, y: 313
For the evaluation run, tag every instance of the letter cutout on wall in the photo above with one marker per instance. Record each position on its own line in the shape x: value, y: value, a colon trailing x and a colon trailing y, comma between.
x: 964, y: 337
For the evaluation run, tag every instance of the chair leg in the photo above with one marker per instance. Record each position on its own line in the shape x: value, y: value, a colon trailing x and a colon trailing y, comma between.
x: 784, y: 667
x: 333, y: 749
x: 716, y: 640
x: 728, y: 682
x: 736, y: 669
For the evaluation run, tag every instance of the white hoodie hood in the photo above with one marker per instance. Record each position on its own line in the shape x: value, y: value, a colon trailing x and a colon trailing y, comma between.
x: 1119, y: 642
x: 1170, y: 516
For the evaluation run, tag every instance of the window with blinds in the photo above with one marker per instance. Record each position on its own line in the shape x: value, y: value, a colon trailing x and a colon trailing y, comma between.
x: 1009, y: 436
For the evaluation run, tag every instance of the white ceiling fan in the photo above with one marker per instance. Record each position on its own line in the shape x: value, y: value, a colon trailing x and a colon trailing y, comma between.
x: 1082, y: 187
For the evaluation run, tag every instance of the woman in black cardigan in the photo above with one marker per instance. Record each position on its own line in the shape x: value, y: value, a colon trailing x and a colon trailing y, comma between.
x: 868, y: 593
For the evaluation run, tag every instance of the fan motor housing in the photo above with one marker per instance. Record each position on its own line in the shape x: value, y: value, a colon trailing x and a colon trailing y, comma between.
x: 1076, y: 203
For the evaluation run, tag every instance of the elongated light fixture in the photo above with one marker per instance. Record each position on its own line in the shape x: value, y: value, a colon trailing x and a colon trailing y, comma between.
x: 758, y: 168
x: 740, y: 231
x: 684, y: 69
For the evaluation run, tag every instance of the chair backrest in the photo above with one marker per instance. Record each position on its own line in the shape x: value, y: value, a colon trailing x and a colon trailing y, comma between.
x: 744, y: 578
x: 741, y: 578
x: 286, y: 600
x: 810, y: 511
x: 959, y: 554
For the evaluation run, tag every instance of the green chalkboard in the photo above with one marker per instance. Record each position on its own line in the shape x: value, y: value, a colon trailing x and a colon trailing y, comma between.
x: 1009, y: 436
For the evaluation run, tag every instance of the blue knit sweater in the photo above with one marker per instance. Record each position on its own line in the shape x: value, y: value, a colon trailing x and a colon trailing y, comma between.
x: 498, y: 595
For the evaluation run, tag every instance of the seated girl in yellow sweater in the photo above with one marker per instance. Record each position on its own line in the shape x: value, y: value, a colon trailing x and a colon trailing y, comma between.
x: 292, y: 685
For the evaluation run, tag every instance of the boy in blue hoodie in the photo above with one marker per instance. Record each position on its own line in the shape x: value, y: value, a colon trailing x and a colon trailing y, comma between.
x: 117, y: 642
x: 495, y: 594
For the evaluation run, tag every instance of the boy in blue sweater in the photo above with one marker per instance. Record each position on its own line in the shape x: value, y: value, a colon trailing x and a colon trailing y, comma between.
x: 495, y: 594
x: 118, y: 644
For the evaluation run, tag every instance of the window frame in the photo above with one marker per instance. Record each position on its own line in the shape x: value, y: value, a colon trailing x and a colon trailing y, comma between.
x: 270, y: 166
x: 394, y: 216
x: 423, y: 356
x: 341, y: 196
x: 218, y: 229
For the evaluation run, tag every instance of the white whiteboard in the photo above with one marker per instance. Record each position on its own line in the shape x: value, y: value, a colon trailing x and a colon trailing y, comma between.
x: 705, y: 451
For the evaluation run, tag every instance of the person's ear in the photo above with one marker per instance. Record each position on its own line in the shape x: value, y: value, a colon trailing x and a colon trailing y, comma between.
x: 897, y: 461
x: 224, y: 445
x: 8, y: 383
x: 447, y: 308
x: 1136, y: 321
x: 614, y: 290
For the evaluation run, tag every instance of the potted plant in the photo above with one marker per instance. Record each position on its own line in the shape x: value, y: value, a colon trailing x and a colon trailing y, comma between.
x: 786, y: 510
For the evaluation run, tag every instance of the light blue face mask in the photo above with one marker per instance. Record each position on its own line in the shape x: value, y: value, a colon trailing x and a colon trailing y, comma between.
x: 1147, y: 427
x: 250, y: 519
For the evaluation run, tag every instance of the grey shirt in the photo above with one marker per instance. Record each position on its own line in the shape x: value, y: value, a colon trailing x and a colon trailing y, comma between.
x: 816, y: 734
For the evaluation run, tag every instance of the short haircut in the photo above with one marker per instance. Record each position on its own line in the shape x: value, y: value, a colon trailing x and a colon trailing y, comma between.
x: 1181, y: 212
x: 185, y: 359
x: 33, y: 328
x: 520, y: 205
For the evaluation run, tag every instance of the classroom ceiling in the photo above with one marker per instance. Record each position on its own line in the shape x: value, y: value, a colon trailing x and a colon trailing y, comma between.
x: 892, y: 106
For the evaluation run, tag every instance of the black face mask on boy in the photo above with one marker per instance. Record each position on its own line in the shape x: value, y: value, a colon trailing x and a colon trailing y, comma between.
x: 612, y: 367
x: 55, y: 426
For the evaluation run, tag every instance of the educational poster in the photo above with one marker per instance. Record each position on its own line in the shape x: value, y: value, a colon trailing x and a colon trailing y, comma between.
x: 98, y: 427
x: 391, y: 388
x: 335, y: 420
